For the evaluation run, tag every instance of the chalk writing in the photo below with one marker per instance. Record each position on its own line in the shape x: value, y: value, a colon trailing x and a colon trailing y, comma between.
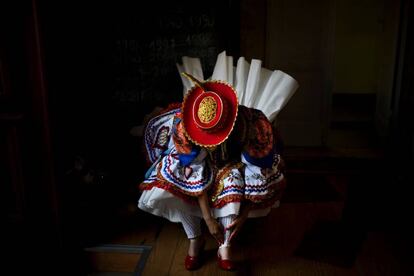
x: 147, y: 47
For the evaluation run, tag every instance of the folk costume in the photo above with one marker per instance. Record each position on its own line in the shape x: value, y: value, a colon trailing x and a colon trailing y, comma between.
x: 220, y: 140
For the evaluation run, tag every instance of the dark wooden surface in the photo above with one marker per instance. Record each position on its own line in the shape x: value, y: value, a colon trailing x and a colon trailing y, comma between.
x: 304, y: 236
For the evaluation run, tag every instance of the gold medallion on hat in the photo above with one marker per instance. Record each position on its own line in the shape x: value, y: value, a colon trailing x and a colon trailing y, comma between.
x: 207, y: 110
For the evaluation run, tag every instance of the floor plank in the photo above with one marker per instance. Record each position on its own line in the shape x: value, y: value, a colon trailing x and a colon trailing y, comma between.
x: 377, y: 258
x: 162, y: 254
x: 113, y: 261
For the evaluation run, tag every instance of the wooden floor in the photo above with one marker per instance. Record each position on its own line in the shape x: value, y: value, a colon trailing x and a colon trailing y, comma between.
x: 274, y: 245
x: 267, y: 247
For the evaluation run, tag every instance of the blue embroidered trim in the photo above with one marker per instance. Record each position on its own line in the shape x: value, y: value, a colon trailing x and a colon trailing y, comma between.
x: 235, y: 190
x: 264, y: 162
x: 183, y: 185
x: 252, y: 190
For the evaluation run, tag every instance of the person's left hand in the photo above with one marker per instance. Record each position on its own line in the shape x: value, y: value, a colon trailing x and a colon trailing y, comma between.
x: 236, y: 225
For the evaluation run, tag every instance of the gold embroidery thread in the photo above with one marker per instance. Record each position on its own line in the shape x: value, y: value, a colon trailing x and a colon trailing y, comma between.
x: 207, y: 110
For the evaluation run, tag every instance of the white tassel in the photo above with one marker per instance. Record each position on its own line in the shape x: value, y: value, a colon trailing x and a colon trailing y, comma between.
x: 193, y: 67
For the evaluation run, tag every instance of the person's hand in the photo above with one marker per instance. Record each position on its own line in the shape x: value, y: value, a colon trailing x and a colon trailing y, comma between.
x: 237, y: 224
x: 215, y: 230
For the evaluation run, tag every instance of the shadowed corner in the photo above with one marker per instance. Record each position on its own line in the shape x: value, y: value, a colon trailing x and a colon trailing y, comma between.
x: 336, y: 243
x: 339, y: 242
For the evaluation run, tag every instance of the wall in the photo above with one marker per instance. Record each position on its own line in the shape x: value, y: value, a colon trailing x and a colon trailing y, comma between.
x: 333, y: 48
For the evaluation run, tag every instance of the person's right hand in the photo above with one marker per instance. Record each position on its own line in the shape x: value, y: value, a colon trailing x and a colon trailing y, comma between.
x: 215, y: 230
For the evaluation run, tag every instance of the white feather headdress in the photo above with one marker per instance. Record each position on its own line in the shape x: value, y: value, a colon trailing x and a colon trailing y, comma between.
x: 256, y: 87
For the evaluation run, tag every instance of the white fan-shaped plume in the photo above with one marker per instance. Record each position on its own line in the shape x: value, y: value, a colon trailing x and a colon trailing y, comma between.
x: 242, y: 71
x: 252, y: 83
x: 221, y: 68
x: 256, y: 87
x: 277, y: 92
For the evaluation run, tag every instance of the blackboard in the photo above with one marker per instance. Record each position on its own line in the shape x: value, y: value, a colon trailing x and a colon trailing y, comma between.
x: 149, y: 40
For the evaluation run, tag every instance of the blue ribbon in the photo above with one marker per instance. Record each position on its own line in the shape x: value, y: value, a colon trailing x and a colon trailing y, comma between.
x: 186, y: 159
x: 264, y: 162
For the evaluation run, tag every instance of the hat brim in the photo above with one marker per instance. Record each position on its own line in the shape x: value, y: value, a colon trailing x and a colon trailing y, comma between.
x: 201, y: 136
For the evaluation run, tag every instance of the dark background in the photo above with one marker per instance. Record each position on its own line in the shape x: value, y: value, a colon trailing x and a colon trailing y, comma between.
x: 76, y: 76
x: 109, y: 64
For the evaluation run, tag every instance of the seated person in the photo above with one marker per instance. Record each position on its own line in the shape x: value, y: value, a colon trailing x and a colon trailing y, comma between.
x: 212, y: 159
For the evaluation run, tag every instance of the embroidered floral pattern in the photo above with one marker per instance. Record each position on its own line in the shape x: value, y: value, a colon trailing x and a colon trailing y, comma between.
x: 230, y: 174
x: 255, y: 132
x: 169, y: 169
x: 181, y: 142
x: 161, y: 140
x: 152, y: 131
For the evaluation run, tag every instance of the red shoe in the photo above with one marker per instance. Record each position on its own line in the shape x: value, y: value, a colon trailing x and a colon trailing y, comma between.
x: 225, y: 264
x: 193, y: 263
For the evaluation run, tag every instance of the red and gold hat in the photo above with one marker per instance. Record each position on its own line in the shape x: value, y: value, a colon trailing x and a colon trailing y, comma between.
x: 209, y: 112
